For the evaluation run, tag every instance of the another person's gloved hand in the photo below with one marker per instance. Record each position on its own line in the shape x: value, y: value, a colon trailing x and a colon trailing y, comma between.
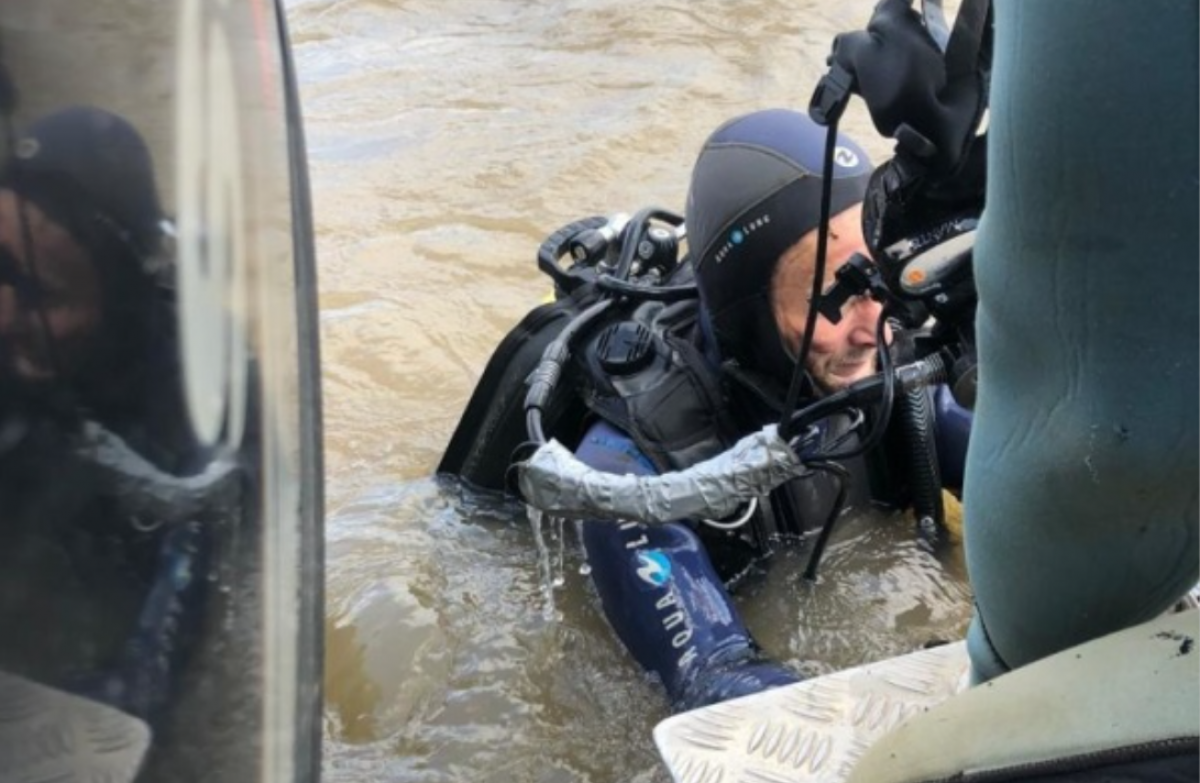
x: 902, y: 75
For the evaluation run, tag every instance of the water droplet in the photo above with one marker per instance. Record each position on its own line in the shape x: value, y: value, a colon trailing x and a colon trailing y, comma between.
x: 545, y: 567
x: 585, y: 570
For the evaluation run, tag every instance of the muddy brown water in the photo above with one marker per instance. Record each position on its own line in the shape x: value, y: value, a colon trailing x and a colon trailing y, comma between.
x: 446, y: 140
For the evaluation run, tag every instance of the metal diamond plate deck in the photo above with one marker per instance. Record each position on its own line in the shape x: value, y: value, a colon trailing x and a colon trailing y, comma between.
x: 47, y: 735
x: 813, y: 731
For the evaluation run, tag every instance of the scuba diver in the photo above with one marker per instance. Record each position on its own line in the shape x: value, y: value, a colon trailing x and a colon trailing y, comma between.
x: 90, y: 393
x: 1081, y: 494
x: 670, y: 384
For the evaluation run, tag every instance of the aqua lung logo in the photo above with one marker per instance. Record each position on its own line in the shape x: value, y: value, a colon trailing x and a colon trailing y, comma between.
x: 676, y: 623
x: 653, y: 567
x: 845, y: 157
x: 740, y: 234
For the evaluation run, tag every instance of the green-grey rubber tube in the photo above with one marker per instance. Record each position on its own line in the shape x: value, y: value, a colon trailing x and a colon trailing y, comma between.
x: 1081, y: 475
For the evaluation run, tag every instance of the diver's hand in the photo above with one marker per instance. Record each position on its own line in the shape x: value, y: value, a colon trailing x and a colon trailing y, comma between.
x: 901, y: 73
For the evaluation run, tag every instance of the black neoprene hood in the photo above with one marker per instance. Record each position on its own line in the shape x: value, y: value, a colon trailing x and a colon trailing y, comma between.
x: 87, y: 156
x: 755, y: 191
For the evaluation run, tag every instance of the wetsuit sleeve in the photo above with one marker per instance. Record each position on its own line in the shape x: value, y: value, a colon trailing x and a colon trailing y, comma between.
x: 1081, y: 495
x: 608, y: 449
x: 663, y: 597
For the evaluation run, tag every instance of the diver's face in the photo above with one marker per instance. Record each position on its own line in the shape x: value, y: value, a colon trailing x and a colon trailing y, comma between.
x: 840, y: 353
x: 49, y: 295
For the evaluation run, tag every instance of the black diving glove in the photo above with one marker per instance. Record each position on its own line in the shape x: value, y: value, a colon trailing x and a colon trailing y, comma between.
x: 929, y: 102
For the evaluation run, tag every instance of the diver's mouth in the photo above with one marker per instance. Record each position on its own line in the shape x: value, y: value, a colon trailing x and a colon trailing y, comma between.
x: 850, y: 369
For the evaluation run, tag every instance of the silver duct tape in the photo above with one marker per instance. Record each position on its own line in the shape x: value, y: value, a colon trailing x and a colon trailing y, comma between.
x: 554, y: 481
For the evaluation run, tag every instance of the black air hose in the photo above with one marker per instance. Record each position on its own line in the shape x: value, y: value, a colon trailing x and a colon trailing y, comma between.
x: 555, y: 246
x: 925, y: 478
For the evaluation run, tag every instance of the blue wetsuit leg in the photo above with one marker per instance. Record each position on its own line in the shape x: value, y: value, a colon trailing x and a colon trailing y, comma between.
x: 664, y: 599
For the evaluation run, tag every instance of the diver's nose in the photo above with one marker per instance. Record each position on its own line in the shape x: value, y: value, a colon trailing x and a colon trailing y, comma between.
x: 864, y: 313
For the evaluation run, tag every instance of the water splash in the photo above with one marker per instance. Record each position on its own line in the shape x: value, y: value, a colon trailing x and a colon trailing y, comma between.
x: 559, y: 577
x: 551, y: 567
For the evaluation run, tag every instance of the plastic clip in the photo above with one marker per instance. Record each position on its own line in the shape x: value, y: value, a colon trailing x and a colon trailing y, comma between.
x: 831, y: 96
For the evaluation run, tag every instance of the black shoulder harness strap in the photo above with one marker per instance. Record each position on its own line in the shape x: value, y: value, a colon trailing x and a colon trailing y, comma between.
x: 646, y: 376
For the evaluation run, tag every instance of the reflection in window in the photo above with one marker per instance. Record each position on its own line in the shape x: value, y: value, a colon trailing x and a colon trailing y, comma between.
x: 107, y: 505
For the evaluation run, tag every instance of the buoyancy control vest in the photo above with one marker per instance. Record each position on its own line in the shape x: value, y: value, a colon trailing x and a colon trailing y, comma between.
x: 649, y: 375
x: 643, y: 368
x: 492, y: 427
